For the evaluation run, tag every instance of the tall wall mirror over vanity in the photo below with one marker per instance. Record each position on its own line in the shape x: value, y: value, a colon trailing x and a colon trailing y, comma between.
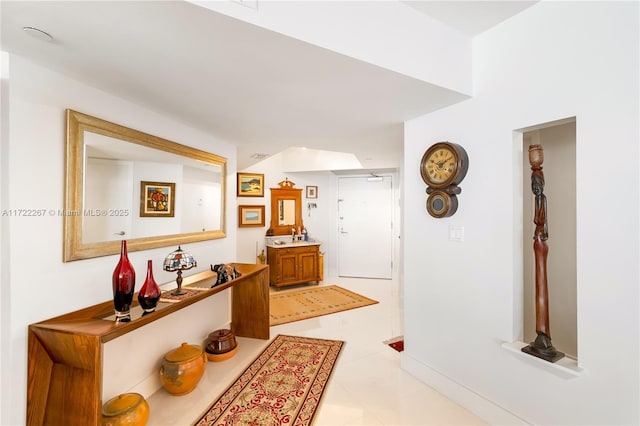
x: 292, y: 257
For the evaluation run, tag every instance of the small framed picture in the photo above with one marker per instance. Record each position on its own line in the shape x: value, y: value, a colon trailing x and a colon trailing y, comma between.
x: 312, y: 192
x: 249, y: 216
x: 250, y: 185
x: 157, y: 199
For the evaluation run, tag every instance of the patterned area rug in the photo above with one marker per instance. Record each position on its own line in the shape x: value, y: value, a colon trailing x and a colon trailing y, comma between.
x: 398, y: 346
x: 396, y: 343
x: 313, y: 302
x: 282, y: 386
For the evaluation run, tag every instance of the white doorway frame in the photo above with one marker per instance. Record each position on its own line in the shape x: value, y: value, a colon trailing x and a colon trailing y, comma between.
x: 332, y: 246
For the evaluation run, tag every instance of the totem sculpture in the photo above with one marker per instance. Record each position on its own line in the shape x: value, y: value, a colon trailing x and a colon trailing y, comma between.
x: 542, y: 346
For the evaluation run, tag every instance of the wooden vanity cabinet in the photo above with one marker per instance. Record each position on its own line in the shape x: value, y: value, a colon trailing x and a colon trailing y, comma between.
x: 66, y: 353
x: 292, y: 264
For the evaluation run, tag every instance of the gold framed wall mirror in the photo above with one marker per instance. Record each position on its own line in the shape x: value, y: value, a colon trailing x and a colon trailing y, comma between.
x: 286, y: 208
x: 104, y: 200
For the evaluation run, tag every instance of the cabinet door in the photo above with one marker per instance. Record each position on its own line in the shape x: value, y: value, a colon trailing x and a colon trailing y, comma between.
x: 288, y: 267
x: 308, y: 266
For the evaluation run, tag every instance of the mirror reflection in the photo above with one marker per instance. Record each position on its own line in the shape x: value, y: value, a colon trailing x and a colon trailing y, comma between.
x: 287, y: 212
x: 125, y: 184
x: 113, y: 170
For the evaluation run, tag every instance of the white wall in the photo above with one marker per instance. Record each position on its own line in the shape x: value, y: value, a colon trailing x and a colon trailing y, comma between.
x: 552, y: 61
x: 38, y: 283
x: 5, y: 305
x: 389, y: 34
x: 200, y: 198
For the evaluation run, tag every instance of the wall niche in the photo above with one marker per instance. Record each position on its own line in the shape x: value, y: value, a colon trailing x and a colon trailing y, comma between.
x: 558, y: 141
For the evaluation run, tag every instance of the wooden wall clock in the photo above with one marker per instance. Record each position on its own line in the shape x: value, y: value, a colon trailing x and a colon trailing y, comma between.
x: 443, y: 167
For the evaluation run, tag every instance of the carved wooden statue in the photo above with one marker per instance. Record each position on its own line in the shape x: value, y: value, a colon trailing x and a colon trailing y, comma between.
x: 542, y: 346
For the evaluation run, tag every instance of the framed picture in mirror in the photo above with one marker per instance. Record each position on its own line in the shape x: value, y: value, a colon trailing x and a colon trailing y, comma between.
x: 157, y: 199
x: 312, y: 192
x: 250, y: 185
x: 250, y: 216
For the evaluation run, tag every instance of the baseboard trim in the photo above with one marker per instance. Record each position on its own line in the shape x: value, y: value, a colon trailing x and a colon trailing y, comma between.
x: 477, y: 404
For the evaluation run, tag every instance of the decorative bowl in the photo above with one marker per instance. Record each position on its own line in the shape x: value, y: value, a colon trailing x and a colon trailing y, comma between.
x: 182, y: 368
x: 127, y: 409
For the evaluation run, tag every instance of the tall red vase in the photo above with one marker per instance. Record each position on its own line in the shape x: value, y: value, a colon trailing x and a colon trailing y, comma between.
x: 149, y: 294
x: 124, y: 283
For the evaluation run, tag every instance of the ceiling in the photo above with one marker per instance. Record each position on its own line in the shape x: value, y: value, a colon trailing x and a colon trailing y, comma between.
x: 471, y: 17
x: 256, y: 88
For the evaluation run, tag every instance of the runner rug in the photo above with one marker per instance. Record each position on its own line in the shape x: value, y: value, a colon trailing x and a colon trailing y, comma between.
x: 283, y: 385
x: 313, y: 302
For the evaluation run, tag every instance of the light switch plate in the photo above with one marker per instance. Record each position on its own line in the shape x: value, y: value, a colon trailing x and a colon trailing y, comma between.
x: 456, y: 233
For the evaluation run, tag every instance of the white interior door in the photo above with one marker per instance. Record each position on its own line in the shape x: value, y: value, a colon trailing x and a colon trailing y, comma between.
x: 107, y: 187
x: 365, y: 227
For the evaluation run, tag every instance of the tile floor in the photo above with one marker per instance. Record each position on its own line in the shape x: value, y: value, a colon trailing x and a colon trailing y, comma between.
x: 367, y: 386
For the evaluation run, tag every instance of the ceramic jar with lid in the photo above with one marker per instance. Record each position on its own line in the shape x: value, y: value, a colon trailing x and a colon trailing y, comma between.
x: 127, y: 409
x: 220, y: 345
x: 182, y: 368
x: 220, y: 341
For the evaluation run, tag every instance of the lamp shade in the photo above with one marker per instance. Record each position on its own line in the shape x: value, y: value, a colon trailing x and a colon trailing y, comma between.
x: 178, y: 260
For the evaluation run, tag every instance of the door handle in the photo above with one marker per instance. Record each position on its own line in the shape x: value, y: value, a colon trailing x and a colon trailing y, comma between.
x: 119, y: 233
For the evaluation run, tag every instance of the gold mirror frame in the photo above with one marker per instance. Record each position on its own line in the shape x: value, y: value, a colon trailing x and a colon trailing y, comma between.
x: 73, y: 247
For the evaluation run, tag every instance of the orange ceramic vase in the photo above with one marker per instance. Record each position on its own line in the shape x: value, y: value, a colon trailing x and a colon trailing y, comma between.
x: 182, y: 369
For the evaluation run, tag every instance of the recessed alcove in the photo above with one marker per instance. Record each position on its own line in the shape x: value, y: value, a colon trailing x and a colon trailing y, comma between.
x: 566, y: 368
x: 558, y: 140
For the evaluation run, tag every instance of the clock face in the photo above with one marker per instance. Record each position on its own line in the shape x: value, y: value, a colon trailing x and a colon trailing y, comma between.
x: 444, y: 164
x: 440, y: 165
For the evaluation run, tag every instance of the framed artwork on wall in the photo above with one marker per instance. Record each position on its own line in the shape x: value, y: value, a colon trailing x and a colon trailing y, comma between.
x: 250, y: 185
x: 157, y: 199
x: 312, y: 192
x: 250, y: 216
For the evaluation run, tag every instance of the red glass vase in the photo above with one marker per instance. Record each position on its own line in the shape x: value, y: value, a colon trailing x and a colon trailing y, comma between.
x: 149, y: 294
x: 124, y: 283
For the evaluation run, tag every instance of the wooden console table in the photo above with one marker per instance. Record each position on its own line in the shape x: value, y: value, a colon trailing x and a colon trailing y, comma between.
x: 66, y: 352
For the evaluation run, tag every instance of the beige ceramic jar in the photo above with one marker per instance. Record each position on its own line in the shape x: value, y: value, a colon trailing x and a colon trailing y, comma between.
x: 127, y: 409
x: 182, y: 368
